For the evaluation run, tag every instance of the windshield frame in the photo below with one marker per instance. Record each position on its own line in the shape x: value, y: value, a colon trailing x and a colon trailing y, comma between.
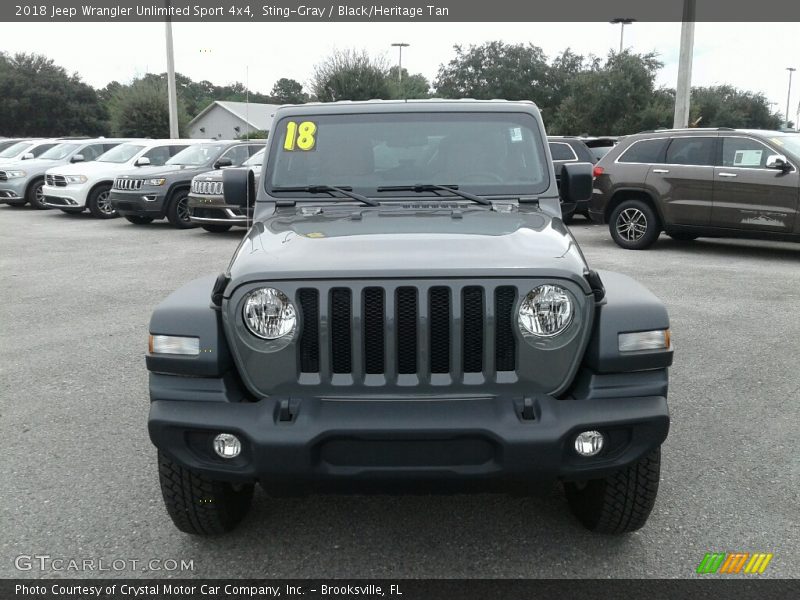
x: 527, y: 118
x: 792, y: 151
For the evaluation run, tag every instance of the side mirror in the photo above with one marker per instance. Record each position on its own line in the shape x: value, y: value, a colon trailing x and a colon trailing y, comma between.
x: 239, y: 187
x: 142, y: 161
x: 779, y: 162
x: 223, y: 162
x: 28, y: 156
x: 77, y: 158
x: 575, y: 183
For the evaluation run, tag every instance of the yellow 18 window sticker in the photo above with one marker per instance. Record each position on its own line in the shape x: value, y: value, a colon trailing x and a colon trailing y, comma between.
x: 300, y: 137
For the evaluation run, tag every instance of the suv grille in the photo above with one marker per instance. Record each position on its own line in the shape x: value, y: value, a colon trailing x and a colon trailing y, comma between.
x: 56, y: 180
x: 428, y: 330
x: 207, y: 188
x: 122, y: 183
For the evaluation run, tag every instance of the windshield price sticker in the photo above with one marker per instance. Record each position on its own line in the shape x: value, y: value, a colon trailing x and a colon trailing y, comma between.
x: 301, y: 136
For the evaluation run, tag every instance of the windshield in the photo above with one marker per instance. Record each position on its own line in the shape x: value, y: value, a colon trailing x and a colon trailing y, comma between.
x: 484, y: 153
x: 17, y: 148
x: 120, y: 154
x: 60, y: 151
x: 197, y: 155
x: 789, y: 143
x: 255, y: 161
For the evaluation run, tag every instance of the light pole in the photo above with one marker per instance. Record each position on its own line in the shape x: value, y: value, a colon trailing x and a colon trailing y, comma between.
x: 621, y: 22
x: 172, y: 96
x: 400, y: 46
x: 683, y: 91
x: 789, y: 94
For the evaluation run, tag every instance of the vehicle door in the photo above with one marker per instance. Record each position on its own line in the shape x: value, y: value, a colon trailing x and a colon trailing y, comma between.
x: 684, y: 183
x: 747, y: 194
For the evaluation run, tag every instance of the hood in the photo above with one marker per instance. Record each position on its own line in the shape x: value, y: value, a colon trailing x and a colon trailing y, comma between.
x: 448, y: 240
x: 164, y: 170
x: 32, y: 165
x: 92, y: 168
x: 215, y: 175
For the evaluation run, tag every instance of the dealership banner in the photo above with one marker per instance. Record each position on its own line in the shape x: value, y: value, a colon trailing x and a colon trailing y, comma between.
x: 398, y: 589
x: 400, y: 10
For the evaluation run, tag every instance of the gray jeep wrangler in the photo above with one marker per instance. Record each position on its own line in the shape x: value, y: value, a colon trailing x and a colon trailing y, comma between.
x: 408, y: 307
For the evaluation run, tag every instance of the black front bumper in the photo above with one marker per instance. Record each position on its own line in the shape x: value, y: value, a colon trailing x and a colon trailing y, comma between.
x: 378, y: 439
x: 143, y: 203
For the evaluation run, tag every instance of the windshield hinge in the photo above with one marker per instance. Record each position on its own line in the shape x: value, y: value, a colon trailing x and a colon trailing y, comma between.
x: 504, y: 206
x: 529, y: 200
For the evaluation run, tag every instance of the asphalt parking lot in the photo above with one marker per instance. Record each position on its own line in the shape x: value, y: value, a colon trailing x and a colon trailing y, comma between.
x: 79, y: 476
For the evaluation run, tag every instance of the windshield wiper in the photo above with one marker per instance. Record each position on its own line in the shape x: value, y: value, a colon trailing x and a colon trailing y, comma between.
x: 327, y: 189
x: 433, y: 187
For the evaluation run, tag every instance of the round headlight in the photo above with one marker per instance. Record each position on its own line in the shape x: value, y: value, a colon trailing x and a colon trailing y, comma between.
x: 269, y: 314
x: 545, y: 311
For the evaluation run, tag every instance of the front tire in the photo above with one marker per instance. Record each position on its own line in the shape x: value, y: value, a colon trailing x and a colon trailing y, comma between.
x: 99, y: 203
x: 216, y: 228
x: 178, y: 210
x: 35, y: 196
x: 200, y: 505
x: 619, y: 503
x: 138, y: 219
x: 634, y: 225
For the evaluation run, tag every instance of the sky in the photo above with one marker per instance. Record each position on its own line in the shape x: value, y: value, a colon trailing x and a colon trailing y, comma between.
x: 749, y: 56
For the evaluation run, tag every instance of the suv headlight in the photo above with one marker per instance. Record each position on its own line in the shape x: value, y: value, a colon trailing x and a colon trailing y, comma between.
x: 269, y: 314
x: 157, y: 181
x: 546, y: 311
x: 75, y: 178
x: 15, y: 174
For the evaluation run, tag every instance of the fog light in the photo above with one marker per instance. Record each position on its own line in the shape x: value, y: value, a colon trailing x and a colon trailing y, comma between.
x: 589, y: 443
x: 227, y: 445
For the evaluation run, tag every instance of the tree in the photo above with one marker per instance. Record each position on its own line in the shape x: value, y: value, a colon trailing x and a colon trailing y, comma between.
x: 141, y: 110
x: 412, y: 86
x: 496, y: 70
x: 350, y: 75
x: 39, y: 98
x: 727, y: 106
x: 288, y: 91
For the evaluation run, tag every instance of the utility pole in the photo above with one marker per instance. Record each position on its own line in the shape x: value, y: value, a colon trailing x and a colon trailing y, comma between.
x: 172, y: 96
x: 621, y: 22
x: 400, y: 46
x: 684, y: 89
x: 789, y: 94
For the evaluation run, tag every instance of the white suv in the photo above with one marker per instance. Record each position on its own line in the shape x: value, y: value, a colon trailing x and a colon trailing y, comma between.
x: 76, y: 187
x: 25, y: 149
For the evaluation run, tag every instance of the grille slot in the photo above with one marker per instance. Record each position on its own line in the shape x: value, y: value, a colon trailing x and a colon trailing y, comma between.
x: 373, y: 330
x: 208, y: 188
x: 440, y: 329
x: 309, y: 340
x: 406, y: 330
x: 341, y: 342
x: 473, y: 329
x: 505, y: 349
x: 56, y: 180
x: 128, y: 184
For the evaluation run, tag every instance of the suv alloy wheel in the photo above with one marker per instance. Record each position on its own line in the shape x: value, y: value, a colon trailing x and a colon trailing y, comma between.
x: 634, y: 225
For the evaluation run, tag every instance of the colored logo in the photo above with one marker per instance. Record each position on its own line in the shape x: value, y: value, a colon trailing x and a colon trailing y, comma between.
x: 734, y: 562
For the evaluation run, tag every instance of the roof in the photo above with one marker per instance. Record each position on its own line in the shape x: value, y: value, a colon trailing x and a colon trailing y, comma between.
x: 254, y: 114
x: 421, y: 105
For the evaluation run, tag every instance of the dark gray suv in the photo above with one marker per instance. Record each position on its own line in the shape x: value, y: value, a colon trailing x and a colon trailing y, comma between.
x: 699, y: 182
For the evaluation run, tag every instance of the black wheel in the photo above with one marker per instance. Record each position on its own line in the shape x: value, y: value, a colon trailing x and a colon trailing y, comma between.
x: 99, y: 203
x: 216, y: 228
x: 634, y: 225
x: 199, y: 505
x: 138, y: 220
x: 35, y: 196
x: 621, y: 502
x: 178, y: 210
x: 680, y: 236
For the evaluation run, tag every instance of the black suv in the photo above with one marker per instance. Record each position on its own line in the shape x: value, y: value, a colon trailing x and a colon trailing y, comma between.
x: 699, y: 182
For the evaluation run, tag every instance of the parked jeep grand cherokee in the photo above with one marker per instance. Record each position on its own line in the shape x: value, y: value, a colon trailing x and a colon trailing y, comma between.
x: 408, y: 305
x: 207, y: 205
x: 699, y: 182
x: 156, y: 192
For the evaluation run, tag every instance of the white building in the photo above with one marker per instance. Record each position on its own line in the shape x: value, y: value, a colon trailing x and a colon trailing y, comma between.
x: 228, y: 120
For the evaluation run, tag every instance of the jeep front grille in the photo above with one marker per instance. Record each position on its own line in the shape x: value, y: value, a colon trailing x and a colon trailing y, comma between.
x: 207, y: 188
x: 436, y: 330
x: 122, y: 183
